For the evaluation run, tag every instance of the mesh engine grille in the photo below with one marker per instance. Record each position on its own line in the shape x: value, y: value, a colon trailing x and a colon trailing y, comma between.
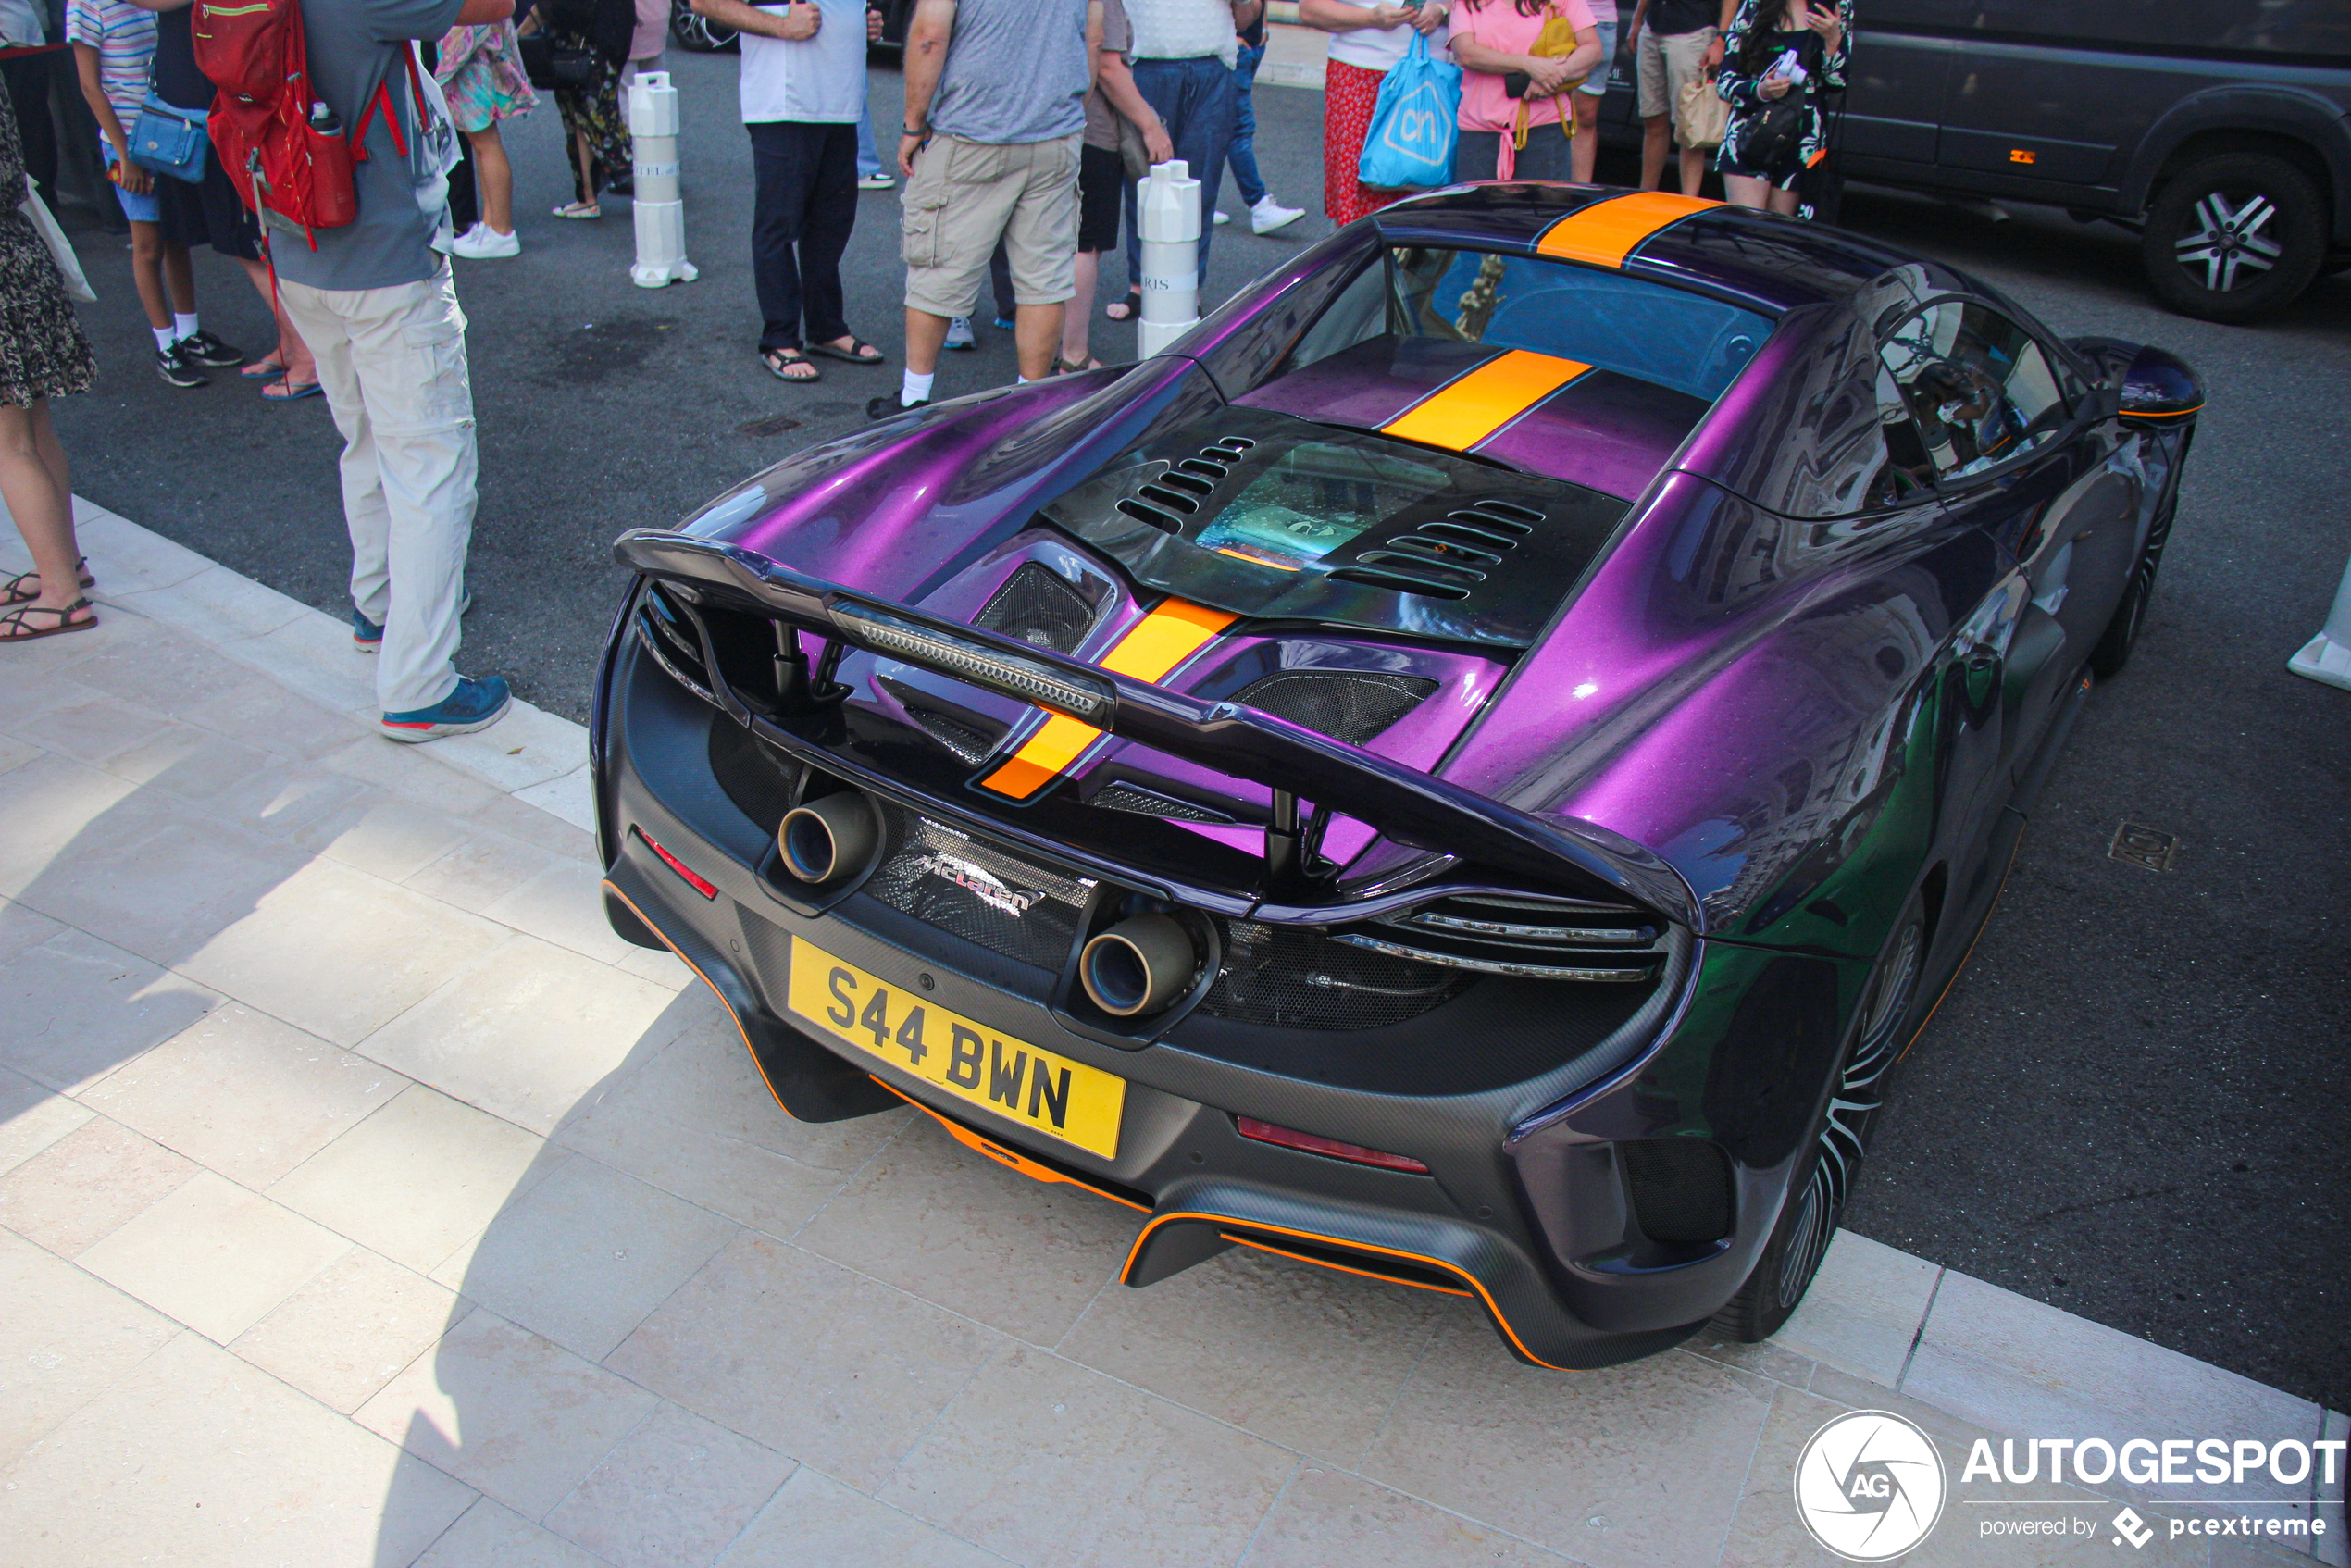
x: 1143, y: 802
x: 1289, y: 978
x: 1038, y: 607
x: 1681, y: 1189
x: 973, y: 889
x: 1350, y: 705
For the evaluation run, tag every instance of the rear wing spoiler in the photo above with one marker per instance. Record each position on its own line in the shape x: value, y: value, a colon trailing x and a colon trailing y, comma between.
x: 1402, y: 803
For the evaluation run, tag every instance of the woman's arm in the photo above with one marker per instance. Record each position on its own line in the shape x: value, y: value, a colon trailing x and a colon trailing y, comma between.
x: 1835, y: 28
x: 1345, y: 15
x: 797, y: 22
x: 163, y: 5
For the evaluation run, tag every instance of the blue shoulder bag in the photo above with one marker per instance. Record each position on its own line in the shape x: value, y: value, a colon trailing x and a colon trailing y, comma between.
x: 169, y: 140
x: 1415, y: 123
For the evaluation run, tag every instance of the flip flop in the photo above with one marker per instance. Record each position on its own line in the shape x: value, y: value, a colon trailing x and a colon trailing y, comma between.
x: 579, y: 209
x: 262, y: 371
x: 1127, y: 309
x: 12, y: 623
x: 292, y: 391
x: 1075, y: 368
x: 17, y: 589
x: 779, y: 359
x: 853, y: 354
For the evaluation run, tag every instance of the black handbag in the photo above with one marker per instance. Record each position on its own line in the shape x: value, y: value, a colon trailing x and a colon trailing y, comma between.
x: 549, y: 64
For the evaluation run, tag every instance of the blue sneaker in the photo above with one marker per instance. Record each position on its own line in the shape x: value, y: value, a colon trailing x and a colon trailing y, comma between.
x: 1003, y: 323
x: 476, y: 704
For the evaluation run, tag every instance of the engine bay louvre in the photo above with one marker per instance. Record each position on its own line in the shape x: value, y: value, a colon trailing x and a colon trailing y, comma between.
x: 1276, y: 517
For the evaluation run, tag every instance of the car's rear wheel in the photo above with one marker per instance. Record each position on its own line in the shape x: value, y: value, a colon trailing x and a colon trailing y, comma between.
x: 1824, y: 1180
x: 2121, y: 633
x: 2234, y: 236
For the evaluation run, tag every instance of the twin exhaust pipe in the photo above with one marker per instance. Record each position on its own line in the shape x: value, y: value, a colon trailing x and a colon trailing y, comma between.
x: 1139, y: 966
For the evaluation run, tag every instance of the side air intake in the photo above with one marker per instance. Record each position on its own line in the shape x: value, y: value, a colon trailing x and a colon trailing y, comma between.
x: 1348, y: 705
x: 1040, y: 608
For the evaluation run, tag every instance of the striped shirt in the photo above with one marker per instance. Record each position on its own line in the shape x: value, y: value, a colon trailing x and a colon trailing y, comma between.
x: 125, y: 38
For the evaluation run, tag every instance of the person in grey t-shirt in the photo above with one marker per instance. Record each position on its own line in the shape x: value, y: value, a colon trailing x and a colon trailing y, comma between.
x: 995, y: 112
x: 379, y: 310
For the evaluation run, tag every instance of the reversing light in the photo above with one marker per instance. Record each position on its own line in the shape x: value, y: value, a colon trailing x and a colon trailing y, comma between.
x: 671, y: 861
x: 1291, y: 1138
x: 1028, y: 679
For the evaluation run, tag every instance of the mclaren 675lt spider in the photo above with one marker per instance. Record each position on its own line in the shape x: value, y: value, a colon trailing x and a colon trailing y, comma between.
x: 1470, y: 768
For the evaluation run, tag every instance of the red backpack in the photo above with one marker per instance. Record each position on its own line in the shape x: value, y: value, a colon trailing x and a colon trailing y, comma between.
x: 282, y: 146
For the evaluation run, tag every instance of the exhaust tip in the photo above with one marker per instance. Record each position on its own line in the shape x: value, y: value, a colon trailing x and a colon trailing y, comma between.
x: 1139, y: 966
x: 827, y: 838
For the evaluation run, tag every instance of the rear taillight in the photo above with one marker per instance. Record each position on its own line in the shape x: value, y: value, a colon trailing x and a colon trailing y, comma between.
x: 671, y: 861
x: 1291, y: 1138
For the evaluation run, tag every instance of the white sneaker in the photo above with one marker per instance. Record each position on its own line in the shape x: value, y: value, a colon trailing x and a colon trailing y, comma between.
x: 1220, y: 216
x: 481, y: 242
x: 877, y: 181
x: 1269, y: 215
x: 960, y: 335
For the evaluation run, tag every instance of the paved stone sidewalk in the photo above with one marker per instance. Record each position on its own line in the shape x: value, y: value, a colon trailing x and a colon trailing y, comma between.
x: 367, y: 1201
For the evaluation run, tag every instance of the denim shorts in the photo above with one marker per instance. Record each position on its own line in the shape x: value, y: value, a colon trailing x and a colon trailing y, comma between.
x: 139, y: 209
x: 1595, y: 84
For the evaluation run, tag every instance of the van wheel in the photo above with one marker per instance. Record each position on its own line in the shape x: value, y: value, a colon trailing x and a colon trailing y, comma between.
x: 1816, y: 1200
x: 2234, y: 236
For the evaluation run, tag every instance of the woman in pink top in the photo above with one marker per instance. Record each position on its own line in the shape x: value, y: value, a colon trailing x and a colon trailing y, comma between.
x: 1493, y: 40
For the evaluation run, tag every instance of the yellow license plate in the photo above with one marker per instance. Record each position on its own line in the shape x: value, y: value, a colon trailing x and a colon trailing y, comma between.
x: 1053, y: 1095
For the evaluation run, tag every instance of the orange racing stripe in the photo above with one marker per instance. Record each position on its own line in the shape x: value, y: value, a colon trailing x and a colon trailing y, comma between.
x: 1606, y: 232
x: 1157, y: 643
x: 1466, y: 411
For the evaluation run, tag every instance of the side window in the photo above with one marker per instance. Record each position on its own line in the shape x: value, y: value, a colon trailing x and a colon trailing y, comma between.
x: 1358, y: 315
x: 1975, y: 387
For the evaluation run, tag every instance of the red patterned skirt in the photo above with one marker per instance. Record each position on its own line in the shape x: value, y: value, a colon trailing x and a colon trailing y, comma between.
x: 1349, y: 95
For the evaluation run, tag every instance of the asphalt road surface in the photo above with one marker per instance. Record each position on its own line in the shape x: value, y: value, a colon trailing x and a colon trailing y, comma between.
x: 2132, y: 1105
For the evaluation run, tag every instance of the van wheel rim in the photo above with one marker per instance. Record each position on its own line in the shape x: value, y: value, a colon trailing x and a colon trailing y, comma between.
x: 2230, y: 243
x: 1859, y: 1091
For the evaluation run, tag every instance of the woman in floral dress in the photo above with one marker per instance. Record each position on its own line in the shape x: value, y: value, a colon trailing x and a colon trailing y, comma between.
x: 1779, y: 58
x: 593, y: 125
x: 481, y: 74
x: 43, y: 354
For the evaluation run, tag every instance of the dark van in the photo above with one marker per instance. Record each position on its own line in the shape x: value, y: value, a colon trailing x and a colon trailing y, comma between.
x: 2219, y: 130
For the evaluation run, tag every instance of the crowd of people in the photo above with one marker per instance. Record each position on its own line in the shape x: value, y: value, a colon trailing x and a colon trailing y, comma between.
x: 1027, y: 127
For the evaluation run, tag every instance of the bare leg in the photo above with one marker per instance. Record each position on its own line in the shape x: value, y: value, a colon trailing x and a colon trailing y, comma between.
x: 178, y: 278
x: 1073, y: 349
x: 291, y: 352
x: 34, y: 482
x: 1747, y: 193
x: 1785, y: 201
x: 1657, y: 135
x: 1036, y: 330
x: 494, y: 177
x: 1693, y: 170
x: 925, y: 335
x: 584, y: 162
x: 1587, y: 136
x: 146, y: 268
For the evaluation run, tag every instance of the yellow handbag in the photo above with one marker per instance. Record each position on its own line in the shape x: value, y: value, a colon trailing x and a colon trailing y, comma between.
x: 1556, y: 42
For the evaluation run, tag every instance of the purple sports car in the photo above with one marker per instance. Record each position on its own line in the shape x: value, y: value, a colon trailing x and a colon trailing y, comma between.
x: 1469, y: 769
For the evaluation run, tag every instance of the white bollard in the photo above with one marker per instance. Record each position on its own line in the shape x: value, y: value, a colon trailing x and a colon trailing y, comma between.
x: 661, y: 214
x: 2328, y: 655
x: 1169, y: 212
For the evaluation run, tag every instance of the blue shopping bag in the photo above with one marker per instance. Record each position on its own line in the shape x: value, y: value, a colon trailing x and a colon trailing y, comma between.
x: 1415, y: 123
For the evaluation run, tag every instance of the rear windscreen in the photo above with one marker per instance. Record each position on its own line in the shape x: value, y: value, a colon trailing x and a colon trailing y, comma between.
x: 1652, y: 332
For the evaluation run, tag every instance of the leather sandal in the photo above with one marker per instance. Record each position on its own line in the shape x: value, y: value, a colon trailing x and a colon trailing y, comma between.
x: 859, y: 352
x: 18, y: 589
x: 13, y: 625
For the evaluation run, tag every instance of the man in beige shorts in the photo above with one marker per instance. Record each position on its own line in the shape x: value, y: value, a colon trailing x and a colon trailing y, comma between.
x: 995, y: 115
x: 1675, y: 43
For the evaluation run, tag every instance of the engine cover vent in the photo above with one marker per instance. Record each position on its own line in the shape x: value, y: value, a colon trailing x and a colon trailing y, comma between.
x: 969, y: 736
x: 1139, y: 801
x: 1535, y: 939
x: 1040, y: 608
x: 1350, y: 705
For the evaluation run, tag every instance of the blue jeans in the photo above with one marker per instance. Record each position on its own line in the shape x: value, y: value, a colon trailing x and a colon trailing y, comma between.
x: 868, y: 160
x: 1194, y: 100
x: 1243, y: 157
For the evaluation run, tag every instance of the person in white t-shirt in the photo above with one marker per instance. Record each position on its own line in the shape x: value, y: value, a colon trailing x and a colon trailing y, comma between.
x: 803, y: 82
x: 1371, y: 39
